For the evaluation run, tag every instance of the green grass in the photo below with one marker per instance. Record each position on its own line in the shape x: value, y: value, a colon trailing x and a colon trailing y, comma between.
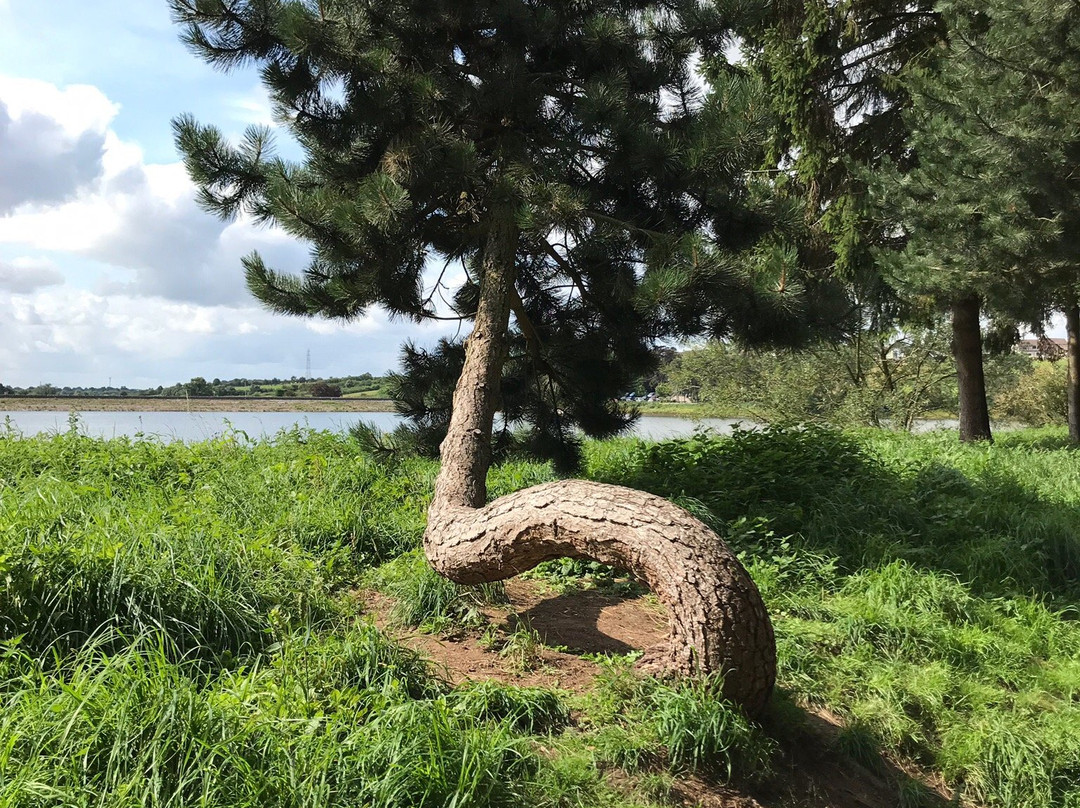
x: 424, y: 599
x: 137, y: 728
x: 178, y: 624
x: 924, y: 590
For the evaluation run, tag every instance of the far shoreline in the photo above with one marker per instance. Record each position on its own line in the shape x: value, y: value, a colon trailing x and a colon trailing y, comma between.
x: 216, y: 404
x: 251, y: 404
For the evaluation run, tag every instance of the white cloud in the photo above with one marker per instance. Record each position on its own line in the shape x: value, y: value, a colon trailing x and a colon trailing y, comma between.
x: 137, y: 216
x: 77, y: 108
x: 52, y: 141
x: 170, y: 303
x: 252, y: 108
x: 146, y: 341
x: 24, y: 275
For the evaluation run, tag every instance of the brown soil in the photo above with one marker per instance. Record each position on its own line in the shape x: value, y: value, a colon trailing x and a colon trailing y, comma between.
x: 810, y: 773
x: 239, y: 404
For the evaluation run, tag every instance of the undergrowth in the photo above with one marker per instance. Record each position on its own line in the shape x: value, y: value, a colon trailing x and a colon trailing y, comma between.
x: 179, y: 624
x: 424, y: 599
x: 924, y: 590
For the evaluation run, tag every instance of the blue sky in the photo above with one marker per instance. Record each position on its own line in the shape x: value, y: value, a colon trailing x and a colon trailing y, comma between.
x: 107, y: 267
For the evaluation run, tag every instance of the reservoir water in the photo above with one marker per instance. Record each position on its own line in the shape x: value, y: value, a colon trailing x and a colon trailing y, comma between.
x: 195, y: 426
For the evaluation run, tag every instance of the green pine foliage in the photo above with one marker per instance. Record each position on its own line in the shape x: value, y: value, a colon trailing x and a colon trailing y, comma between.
x: 832, y: 70
x: 991, y: 206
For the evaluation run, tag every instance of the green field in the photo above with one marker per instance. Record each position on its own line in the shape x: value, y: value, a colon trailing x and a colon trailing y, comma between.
x: 188, y: 625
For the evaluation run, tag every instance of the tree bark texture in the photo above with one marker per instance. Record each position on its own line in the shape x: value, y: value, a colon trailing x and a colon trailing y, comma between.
x: 716, y: 619
x: 1072, y: 355
x: 717, y: 622
x: 971, y: 382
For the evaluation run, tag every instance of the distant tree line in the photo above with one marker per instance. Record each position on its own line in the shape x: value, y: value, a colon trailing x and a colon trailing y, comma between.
x: 365, y: 385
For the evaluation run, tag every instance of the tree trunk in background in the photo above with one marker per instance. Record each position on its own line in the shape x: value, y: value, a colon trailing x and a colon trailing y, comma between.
x: 717, y: 622
x: 967, y: 351
x: 1072, y: 354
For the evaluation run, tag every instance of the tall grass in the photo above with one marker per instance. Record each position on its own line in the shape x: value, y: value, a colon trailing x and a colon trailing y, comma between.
x: 135, y: 728
x: 178, y: 623
x: 925, y: 590
x: 219, y: 545
x: 424, y: 599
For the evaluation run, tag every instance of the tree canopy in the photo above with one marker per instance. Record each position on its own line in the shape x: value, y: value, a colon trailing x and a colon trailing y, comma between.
x: 987, y: 204
x: 589, y: 123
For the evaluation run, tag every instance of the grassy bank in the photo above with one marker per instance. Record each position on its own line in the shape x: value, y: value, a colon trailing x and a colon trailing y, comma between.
x: 185, y: 624
x: 230, y: 404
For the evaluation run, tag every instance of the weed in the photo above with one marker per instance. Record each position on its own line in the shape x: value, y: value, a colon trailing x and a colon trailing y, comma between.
x: 533, y: 710
x: 859, y: 743
x: 701, y: 732
x: 570, y: 780
x: 521, y: 647
x: 913, y: 794
x: 659, y: 787
x: 424, y: 599
x: 632, y: 749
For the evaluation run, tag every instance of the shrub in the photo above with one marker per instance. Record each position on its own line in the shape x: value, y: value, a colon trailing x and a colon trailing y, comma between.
x: 1038, y: 398
x: 325, y: 390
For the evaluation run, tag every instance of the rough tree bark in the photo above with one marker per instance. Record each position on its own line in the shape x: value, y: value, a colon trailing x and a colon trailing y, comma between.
x: 717, y: 621
x: 971, y: 383
x: 1072, y: 353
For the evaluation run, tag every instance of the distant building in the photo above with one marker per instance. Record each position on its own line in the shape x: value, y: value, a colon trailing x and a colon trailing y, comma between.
x: 1042, y: 348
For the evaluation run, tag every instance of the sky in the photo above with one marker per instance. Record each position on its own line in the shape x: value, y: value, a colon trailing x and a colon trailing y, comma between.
x: 108, y: 269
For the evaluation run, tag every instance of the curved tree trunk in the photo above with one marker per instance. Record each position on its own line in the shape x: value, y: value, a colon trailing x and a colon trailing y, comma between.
x: 717, y: 621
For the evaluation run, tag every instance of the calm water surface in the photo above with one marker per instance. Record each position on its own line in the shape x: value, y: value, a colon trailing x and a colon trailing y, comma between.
x: 195, y: 426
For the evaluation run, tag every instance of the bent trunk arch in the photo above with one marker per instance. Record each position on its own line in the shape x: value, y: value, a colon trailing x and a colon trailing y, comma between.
x: 716, y: 619
x: 717, y: 622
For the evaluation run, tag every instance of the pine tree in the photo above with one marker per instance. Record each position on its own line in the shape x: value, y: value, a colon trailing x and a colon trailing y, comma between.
x: 832, y: 70
x: 993, y: 205
x: 836, y: 76
x: 563, y: 153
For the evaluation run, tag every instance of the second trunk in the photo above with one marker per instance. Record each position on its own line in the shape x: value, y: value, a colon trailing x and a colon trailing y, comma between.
x: 1072, y: 353
x: 970, y: 380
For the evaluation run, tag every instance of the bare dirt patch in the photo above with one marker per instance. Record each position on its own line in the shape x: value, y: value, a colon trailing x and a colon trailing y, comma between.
x: 588, y: 621
x: 569, y: 625
x: 810, y: 772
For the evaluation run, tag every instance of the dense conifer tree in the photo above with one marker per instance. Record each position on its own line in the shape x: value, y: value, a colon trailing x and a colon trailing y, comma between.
x: 836, y: 73
x: 831, y: 69
x: 993, y: 207
x: 832, y: 72
x: 564, y: 154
